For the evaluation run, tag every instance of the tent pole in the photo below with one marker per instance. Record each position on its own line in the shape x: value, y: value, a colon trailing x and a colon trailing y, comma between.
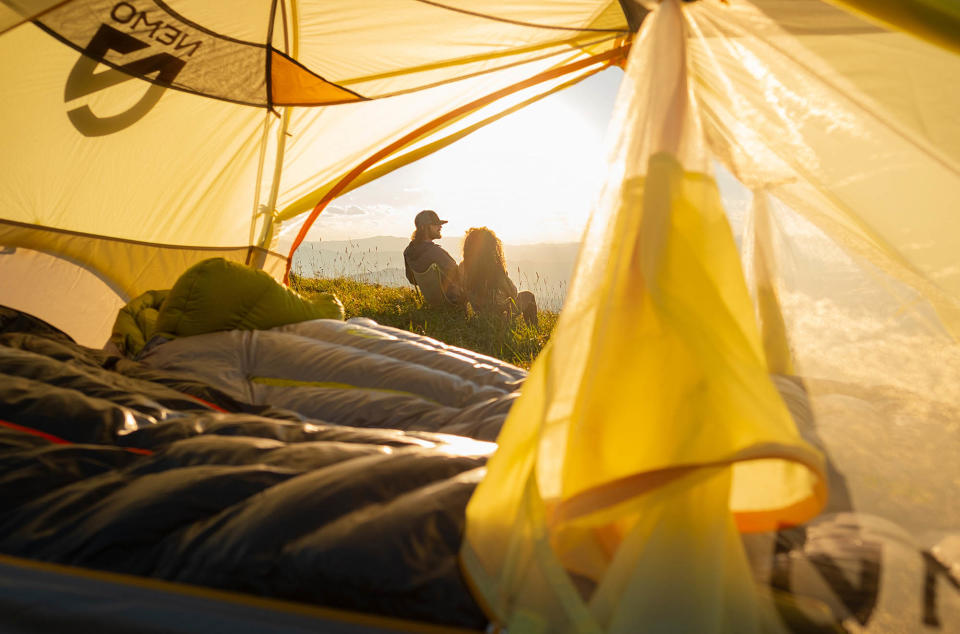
x: 291, y: 39
x: 256, y: 192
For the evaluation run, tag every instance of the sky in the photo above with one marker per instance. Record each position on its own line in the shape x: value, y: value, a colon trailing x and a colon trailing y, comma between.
x: 530, y: 176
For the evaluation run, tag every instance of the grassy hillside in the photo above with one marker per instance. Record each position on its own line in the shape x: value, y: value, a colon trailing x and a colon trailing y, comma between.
x: 541, y: 268
x: 514, y: 341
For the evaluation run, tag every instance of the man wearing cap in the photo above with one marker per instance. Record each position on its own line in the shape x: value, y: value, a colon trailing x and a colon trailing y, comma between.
x: 422, y: 252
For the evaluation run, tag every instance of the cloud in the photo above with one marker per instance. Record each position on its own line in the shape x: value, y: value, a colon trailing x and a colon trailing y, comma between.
x: 350, y: 210
x: 382, y: 210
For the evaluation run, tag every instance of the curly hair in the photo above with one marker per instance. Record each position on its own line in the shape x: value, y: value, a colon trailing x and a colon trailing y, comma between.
x: 483, y: 264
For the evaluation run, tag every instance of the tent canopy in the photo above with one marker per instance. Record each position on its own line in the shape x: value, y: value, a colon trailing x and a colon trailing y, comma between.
x: 144, y: 136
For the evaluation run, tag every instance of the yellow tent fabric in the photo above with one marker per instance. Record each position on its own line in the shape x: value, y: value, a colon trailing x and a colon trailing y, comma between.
x: 141, y: 141
x: 653, y: 427
x: 847, y: 133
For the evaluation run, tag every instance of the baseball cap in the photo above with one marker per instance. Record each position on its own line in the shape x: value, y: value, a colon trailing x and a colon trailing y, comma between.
x: 428, y: 217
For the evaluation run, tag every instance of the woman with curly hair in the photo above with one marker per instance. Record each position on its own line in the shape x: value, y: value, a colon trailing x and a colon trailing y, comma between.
x: 484, y: 279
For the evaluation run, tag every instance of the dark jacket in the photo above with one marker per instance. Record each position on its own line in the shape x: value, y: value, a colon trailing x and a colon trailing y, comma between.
x: 420, y: 254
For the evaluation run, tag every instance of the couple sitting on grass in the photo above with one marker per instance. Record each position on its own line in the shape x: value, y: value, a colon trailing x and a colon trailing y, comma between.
x: 481, y: 278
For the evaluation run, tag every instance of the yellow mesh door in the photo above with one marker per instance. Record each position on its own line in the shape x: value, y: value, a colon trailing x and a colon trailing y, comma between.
x: 649, y: 431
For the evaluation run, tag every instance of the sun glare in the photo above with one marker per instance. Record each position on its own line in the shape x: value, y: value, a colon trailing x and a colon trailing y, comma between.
x: 531, y: 177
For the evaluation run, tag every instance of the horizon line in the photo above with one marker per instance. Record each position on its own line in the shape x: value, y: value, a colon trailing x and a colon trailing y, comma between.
x: 407, y: 238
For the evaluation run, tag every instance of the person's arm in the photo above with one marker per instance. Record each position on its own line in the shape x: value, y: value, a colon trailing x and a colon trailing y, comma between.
x: 448, y: 266
x: 450, y: 271
x: 454, y: 273
x: 446, y: 263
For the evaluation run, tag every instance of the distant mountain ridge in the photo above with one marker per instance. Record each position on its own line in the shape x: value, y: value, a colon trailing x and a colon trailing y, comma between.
x: 544, y: 268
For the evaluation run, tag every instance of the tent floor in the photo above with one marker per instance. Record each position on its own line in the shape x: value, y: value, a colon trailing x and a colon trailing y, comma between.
x: 40, y: 597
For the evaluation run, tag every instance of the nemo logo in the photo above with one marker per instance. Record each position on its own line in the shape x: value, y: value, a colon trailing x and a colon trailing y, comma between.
x: 84, y: 80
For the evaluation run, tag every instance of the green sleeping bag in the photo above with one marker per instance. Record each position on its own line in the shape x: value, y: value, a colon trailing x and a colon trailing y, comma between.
x: 136, y: 322
x: 220, y: 295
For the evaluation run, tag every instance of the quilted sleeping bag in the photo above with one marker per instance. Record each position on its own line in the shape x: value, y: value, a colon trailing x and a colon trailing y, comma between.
x: 108, y: 464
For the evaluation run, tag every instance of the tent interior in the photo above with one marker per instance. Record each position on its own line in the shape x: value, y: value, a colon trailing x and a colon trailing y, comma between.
x: 785, y: 372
